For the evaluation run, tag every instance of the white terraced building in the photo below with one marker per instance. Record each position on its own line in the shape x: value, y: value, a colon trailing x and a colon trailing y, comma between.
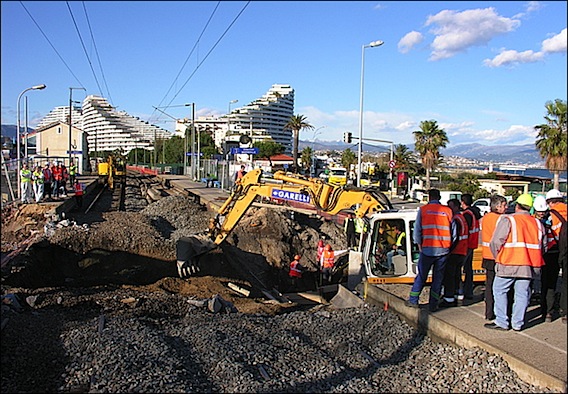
x: 61, y: 114
x: 108, y: 129
x: 263, y: 120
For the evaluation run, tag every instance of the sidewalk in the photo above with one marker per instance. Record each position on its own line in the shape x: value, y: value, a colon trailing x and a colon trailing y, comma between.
x: 537, y: 354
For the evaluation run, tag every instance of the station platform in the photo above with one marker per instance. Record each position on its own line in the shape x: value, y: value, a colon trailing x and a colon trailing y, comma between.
x: 538, y: 353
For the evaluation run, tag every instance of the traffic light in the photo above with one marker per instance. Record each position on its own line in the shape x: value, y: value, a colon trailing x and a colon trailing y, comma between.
x: 347, y: 137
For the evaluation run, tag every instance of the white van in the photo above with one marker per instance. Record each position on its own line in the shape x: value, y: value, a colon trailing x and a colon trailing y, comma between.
x: 448, y: 195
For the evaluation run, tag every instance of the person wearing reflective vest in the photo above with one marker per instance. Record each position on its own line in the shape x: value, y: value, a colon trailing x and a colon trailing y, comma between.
x: 319, y: 252
x: 37, y: 181
x: 556, y: 204
x: 458, y: 251
x: 328, y: 261
x: 472, y: 216
x: 78, y: 189
x: 25, y: 183
x: 517, y: 244
x: 497, y: 206
x: 72, y: 172
x: 432, y: 234
x: 550, y: 270
x: 295, y: 272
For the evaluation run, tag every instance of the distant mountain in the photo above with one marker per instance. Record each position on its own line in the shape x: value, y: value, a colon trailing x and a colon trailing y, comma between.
x: 520, y: 154
x: 10, y: 130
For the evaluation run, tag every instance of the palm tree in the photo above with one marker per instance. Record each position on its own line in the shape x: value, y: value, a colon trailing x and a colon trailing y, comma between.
x: 405, y: 160
x: 551, y: 139
x: 428, y: 141
x: 297, y: 123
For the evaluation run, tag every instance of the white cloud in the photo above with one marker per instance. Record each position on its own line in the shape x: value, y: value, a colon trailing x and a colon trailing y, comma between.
x: 512, y: 57
x: 409, y: 41
x: 530, y: 7
x: 457, y: 31
x: 514, y: 134
x: 555, y: 44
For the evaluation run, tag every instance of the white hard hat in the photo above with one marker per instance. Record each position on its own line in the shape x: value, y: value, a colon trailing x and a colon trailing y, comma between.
x: 553, y: 193
x: 539, y: 204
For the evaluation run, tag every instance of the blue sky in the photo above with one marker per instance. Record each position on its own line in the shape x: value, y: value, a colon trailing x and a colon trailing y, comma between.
x: 483, y: 70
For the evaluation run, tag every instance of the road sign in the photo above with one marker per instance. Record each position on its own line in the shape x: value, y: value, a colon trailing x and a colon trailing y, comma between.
x: 75, y: 152
x: 244, y: 151
x: 392, y: 163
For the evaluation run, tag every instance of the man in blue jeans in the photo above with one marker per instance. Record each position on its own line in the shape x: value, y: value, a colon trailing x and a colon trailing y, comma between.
x: 518, y: 244
x: 432, y: 234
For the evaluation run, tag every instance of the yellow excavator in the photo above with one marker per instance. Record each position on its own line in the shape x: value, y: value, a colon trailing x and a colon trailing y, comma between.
x: 328, y: 198
x: 367, y: 203
x: 113, y: 168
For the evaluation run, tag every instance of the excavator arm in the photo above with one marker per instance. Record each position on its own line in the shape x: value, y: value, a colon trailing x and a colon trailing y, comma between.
x: 328, y: 198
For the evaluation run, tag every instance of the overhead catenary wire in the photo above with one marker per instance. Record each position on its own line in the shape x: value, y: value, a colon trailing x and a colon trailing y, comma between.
x: 84, y: 49
x: 52, y: 46
x: 188, y: 56
x: 210, y: 51
x: 97, y: 52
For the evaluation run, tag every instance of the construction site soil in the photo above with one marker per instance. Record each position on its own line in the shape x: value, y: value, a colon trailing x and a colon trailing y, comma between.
x: 90, y: 299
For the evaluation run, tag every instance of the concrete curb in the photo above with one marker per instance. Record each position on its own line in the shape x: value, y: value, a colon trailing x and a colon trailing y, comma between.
x: 441, y: 330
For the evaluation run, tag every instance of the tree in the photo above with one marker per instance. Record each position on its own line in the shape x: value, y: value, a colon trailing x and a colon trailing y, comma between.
x: 405, y: 160
x: 267, y: 149
x: 306, y: 157
x: 296, y: 124
x: 551, y: 138
x: 347, y: 158
x: 428, y: 141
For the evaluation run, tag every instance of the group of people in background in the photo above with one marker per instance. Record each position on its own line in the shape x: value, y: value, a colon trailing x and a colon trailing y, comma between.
x: 48, y: 183
x: 325, y: 256
x: 521, y: 254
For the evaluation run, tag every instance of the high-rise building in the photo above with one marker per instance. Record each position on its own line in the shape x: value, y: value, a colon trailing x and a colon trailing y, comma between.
x: 108, y: 129
x: 262, y: 120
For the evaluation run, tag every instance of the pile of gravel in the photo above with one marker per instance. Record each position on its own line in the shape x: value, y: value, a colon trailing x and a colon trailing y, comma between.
x: 165, y: 344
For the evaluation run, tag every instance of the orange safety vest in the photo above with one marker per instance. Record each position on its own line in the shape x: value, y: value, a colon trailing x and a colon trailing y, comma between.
x: 488, y: 224
x: 78, y: 189
x: 473, y: 240
x: 436, y: 226
x: 556, y: 223
x: 328, y: 259
x: 463, y: 235
x: 523, y: 245
x: 294, y: 270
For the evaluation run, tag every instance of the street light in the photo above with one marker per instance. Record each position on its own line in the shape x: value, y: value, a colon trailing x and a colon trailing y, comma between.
x: 36, y: 87
x: 313, y: 172
x: 70, y: 116
x: 185, y: 134
x: 228, y: 115
x: 360, y: 148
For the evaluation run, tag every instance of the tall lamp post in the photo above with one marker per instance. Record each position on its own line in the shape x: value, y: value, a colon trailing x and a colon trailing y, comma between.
x: 229, y: 113
x: 70, y: 117
x: 360, y: 147
x: 314, y: 170
x: 36, y: 87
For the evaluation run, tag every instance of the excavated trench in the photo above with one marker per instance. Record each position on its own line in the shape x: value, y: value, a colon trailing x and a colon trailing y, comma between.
x: 137, y: 246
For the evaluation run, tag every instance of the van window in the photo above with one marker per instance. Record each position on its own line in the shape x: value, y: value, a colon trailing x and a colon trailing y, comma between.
x: 382, y: 240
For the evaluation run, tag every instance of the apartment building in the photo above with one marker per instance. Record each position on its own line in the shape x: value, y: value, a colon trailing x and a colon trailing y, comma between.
x: 262, y: 120
x: 108, y: 129
x: 61, y: 114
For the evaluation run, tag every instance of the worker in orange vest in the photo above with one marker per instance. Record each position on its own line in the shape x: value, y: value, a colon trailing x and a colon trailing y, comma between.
x: 458, y: 251
x: 497, y: 206
x: 432, y: 234
x: 327, y: 262
x: 78, y: 189
x: 518, y: 244
x: 296, y: 269
x: 320, y: 249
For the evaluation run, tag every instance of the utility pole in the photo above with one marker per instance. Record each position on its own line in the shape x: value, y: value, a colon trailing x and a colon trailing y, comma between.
x: 71, y: 119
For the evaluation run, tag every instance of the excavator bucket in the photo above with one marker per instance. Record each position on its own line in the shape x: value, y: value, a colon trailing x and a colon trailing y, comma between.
x: 188, y: 253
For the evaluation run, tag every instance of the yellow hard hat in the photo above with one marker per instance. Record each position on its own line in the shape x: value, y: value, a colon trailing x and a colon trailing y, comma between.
x: 525, y: 199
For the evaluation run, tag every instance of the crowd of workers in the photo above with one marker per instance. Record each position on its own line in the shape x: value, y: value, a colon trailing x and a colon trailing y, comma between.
x: 49, y: 183
x: 522, y: 255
